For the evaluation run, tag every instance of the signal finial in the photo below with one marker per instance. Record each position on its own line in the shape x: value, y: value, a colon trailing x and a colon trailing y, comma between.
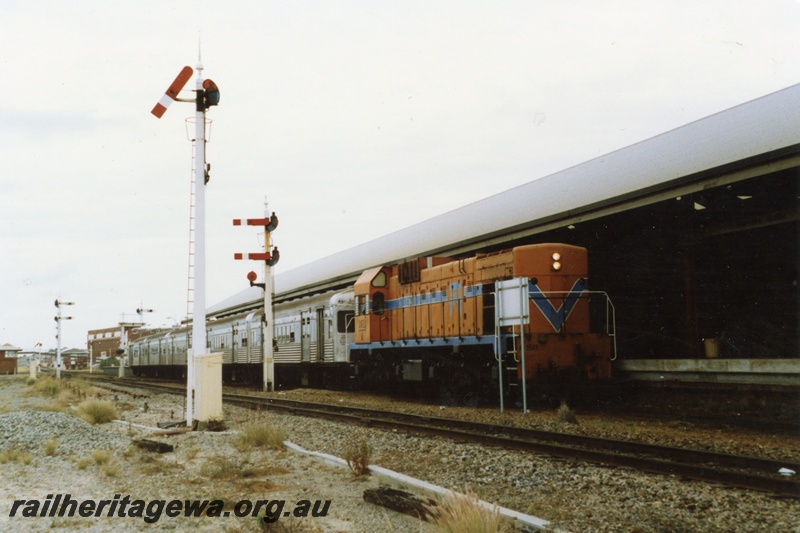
x: 199, y: 52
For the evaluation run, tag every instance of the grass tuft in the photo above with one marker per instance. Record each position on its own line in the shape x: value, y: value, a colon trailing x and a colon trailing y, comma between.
x: 11, y: 455
x: 259, y: 434
x: 357, y: 452
x: 97, y: 411
x: 25, y: 458
x: 50, y: 446
x: 48, y: 387
x: 55, y: 406
x: 221, y: 468
x: 110, y: 469
x: 101, y: 457
x: 463, y: 513
x: 566, y: 415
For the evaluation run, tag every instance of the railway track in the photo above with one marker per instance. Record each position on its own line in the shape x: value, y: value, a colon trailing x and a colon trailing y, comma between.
x: 732, y: 470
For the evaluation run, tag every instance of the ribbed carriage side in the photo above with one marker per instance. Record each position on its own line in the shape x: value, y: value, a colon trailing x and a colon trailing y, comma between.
x: 134, y: 354
x: 180, y: 347
x: 220, y: 337
x: 153, y: 350
x: 238, y: 338
x: 249, y: 342
x: 307, y: 329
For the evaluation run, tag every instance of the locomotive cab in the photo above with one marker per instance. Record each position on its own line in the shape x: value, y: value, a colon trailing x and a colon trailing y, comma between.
x: 370, y: 295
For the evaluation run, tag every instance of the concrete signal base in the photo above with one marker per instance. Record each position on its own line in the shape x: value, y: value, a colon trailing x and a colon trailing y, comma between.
x: 208, y: 393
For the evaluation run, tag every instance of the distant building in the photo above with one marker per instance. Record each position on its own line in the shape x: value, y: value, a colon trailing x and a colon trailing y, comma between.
x: 8, y: 358
x: 74, y: 359
x: 105, y: 342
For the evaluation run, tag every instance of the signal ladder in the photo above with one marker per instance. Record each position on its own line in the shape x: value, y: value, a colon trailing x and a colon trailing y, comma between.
x: 190, y: 282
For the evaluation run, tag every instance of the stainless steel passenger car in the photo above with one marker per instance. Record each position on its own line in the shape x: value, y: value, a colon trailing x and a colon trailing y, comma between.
x: 311, y: 337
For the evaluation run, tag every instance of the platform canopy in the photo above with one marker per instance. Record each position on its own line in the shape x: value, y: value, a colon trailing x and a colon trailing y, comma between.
x: 752, y: 139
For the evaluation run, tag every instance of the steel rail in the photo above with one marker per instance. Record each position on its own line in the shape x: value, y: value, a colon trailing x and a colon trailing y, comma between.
x: 686, y: 463
x: 692, y: 464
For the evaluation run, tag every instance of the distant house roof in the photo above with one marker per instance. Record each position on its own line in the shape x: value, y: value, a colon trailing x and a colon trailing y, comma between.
x: 74, y: 351
x: 9, y: 348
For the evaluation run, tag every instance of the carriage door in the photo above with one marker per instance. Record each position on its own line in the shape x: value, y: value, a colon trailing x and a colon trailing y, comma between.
x: 235, y: 345
x: 305, y: 337
x: 321, y: 335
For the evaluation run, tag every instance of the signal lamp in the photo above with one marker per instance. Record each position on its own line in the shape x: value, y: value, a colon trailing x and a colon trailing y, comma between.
x: 556, y: 265
x: 210, y: 94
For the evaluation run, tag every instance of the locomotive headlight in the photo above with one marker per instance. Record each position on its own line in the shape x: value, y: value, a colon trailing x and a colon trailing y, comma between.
x: 556, y: 261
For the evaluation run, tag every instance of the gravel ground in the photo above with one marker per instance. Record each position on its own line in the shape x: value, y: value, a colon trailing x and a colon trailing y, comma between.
x: 203, y: 466
x: 574, y: 497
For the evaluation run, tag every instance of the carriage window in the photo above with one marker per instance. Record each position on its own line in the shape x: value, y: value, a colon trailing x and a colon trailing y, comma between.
x: 244, y: 342
x: 345, y: 322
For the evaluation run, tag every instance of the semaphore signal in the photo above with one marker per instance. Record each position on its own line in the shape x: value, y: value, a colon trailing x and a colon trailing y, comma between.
x: 172, y: 92
x: 206, y: 95
x: 270, y: 256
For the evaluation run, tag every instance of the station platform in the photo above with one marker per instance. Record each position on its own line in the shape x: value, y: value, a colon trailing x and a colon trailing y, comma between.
x: 777, y: 372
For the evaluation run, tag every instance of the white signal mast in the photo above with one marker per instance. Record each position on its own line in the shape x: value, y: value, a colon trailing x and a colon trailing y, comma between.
x: 270, y: 256
x: 59, y: 318
x: 207, y: 94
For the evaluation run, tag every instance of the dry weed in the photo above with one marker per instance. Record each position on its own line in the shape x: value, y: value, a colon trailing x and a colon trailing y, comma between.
x: 464, y: 513
x: 97, y: 411
x: 357, y: 452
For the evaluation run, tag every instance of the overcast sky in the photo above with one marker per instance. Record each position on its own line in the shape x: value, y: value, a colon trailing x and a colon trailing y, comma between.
x: 354, y: 118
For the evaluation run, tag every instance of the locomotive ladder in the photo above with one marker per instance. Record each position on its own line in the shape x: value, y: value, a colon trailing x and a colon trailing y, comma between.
x: 190, y: 280
x: 508, y: 359
x: 511, y: 309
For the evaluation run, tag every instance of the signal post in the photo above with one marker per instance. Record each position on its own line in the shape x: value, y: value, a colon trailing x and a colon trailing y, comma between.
x: 270, y: 256
x: 206, y: 95
x: 59, y: 318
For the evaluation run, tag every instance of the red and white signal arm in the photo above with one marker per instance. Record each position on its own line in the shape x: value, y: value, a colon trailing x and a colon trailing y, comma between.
x: 172, y: 92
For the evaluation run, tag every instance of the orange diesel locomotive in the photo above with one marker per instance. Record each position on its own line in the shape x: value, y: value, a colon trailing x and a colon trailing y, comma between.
x: 450, y: 321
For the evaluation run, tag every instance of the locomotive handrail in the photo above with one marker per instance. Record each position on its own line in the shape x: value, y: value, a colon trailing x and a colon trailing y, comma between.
x: 611, y: 313
x: 348, y: 322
